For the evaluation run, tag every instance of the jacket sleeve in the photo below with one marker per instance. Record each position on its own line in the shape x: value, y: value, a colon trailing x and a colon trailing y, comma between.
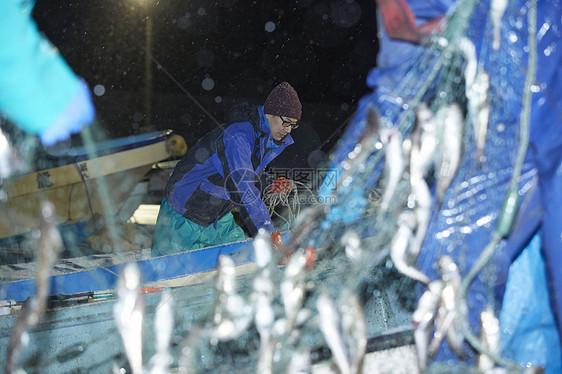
x: 234, y: 149
x: 39, y: 92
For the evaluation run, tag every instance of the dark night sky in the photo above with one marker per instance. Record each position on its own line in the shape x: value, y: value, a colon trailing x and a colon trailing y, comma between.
x: 323, y: 48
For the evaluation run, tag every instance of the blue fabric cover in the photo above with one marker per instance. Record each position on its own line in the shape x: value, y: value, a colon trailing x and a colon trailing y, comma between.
x: 527, y: 326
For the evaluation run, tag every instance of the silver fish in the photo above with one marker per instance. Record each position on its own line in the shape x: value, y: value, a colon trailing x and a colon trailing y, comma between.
x: 293, y: 287
x: 497, y: 10
x: 400, y: 244
x: 424, y: 144
x: 422, y: 157
x: 300, y: 363
x: 452, y: 122
x: 445, y: 325
x: 352, y: 244
x: 262, y: 249
x: 422, y: 210
x: 48, y: 249
x: 479, y: 109
x: 264, y: 320
x: 394, y: 163
x: 262, y: 299
x: 490, y: 337
x: 163, y: 328
x: 423, y: 319
x: 10, y: 160
x: 354, y: 325
x: 128, y: 312
x: 477, y: 86
x: 468, y: 50
x: 345, y: 330
x: 232, y: 314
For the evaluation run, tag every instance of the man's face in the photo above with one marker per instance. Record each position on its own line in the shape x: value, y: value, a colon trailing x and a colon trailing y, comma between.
x: 280, y: 126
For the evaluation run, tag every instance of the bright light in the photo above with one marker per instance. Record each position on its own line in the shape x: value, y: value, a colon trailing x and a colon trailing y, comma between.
x: 145, y: 214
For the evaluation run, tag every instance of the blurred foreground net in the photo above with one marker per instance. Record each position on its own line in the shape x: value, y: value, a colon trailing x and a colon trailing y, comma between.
x: 449, y: 158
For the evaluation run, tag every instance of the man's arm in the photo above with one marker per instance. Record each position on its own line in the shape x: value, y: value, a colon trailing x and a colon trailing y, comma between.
x: 234, y: 149
x: 38, y: 90
x: 400, y: 22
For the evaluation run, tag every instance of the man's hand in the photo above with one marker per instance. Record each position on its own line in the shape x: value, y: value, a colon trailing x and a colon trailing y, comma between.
x: 279, y: 245
x: 280, y: 185
x: 277, y: 241
x: 310, y: 257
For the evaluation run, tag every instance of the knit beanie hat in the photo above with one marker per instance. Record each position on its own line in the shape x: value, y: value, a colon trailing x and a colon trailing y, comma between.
x: 283, y: 101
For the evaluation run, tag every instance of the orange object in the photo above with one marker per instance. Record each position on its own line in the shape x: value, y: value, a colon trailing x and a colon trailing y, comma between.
x: 310, y: 256
x: 280, y: 185
x: 151, y: 289
x: 277, y: 241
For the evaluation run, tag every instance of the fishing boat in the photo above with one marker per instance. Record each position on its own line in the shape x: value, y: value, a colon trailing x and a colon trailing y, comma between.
x: 79, y: 323
x: 85, y: 182
x: 98, y: 274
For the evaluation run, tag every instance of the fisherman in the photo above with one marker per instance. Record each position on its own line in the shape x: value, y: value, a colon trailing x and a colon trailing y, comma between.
x: 219, y: 174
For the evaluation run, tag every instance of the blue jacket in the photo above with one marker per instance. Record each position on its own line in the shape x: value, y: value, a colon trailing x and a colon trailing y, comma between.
x: 219, y: 172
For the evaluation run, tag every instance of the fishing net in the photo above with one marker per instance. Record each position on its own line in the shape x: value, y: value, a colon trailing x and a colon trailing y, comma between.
x: 490, y: 74
x: 337, y: 292
x: 283, y: 198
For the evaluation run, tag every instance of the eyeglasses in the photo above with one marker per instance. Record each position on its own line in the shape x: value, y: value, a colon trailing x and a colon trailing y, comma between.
x: 286, y: 123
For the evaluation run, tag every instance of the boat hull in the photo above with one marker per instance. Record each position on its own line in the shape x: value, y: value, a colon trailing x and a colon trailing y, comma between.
x: 83, y: 337
x: 82, y: 188
x: 100, y: 272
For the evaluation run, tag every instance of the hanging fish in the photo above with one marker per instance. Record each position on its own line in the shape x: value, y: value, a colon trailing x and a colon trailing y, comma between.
x: 354, y: 325
x: 479, y: 111
x: 264, y: 320
x: 345, y: 329
x: 400, y: 244
x: 128, y: 312
x: 293, y: 287
x: 424, y: 144
x: 422, y: 158
x: 497, y: 10
x: 394, y: 163
x: 300, y: 363
x: 490, y: 338
x: 10, y: 160
x: 352, y: 244
x: 476, y: 91
x: 445, y: 325
x: 423, y: 319
x: 422, y: 210
x: 48, y: 250
x: 468, y: 50
x: 231, y: 313
x: 262, y: 300
x: 163, y: 328
x: 451, y: 122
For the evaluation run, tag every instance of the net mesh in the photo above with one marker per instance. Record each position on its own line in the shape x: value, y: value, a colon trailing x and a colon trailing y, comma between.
x: 339, y: 288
